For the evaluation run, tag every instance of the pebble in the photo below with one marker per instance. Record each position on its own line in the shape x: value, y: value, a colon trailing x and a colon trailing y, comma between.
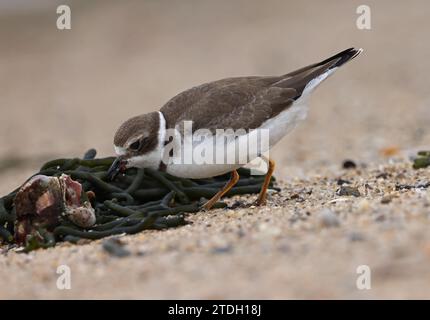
x: 349, y: 164
x: 237, y: 204
x: 297, y: 197
x: 380, y: 217
x: 222, y: 249
x: 341, y: 182
x: 383, y: 175
x: 355, y: 236
x: 115, y: 248
x: 348, y: 191
x: 363, y: 205
x: 387, y: 199
x: 328, y: 218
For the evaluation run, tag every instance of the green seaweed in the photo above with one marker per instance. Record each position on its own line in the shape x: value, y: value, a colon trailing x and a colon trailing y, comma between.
x: 422, y: 161
x: 136, y: 200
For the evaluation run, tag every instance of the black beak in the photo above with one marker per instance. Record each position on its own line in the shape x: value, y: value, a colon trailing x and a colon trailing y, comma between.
x: 116, y: 168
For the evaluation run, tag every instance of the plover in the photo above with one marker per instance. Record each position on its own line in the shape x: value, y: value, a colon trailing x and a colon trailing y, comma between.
x: 274, y: 103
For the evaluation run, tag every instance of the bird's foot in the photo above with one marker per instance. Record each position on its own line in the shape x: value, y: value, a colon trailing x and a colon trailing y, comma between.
x: 261, y: 201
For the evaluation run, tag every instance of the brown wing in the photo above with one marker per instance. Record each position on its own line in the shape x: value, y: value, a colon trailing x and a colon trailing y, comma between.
x: 245, y: 102
x: 229, y: 103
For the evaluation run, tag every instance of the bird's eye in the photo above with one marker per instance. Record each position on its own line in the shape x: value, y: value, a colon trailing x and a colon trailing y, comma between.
x: 135, y: 145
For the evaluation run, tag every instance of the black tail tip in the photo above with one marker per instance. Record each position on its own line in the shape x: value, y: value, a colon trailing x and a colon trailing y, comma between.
x: 345, y: 56
x: 342, y: 57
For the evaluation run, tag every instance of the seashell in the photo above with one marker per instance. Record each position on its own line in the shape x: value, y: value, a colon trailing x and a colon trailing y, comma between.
x: 76, y: 208
x: 43, y: 201
x: 83, y: 216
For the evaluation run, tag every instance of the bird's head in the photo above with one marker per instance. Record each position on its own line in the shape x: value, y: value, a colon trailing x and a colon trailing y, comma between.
x: 139, y: 143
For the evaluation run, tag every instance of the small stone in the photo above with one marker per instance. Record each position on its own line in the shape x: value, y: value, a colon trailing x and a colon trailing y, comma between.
x: 236, y: 204
x: 383, y: 175
x: 380, y: 217
x: 115, y: 247
x: 341, y: 182
x: 338, y: 200
x: 355, y: 236
x: 328, y: 218
x: 363, y: 205
x: 272, y: 191
x: 423, y: 185
x: 222, y: 249
x: 240, y: 233
x: 349, y: 164
x: 400, y: 187
x: 401, y: 176
x: 348, y: 191
x: 387, y: 199
x: 297, y: 197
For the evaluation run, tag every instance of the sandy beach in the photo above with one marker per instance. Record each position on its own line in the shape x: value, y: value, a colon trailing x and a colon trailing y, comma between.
x: 65, y: 91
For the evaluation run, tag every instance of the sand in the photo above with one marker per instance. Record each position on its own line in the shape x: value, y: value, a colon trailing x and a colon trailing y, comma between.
x: 62, y: 92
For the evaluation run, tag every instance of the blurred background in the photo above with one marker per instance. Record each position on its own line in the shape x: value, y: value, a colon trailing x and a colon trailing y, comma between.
x: 64, y: 91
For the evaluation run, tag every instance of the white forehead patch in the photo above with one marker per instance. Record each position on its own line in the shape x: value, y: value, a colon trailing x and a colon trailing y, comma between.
x: 120, y: 150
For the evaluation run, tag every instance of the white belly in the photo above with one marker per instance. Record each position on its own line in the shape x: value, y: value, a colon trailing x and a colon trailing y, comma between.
x: 274, y: 130
x: 200, y: 171
x: 277, y: 128
x: 286, y: 121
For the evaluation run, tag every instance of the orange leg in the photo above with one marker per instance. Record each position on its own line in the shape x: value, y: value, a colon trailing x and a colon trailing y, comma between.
x: 261, y: 200
x: 230, y: 184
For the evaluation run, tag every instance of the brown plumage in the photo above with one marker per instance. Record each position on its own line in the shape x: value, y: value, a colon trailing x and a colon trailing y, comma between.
x: 232, y: 103
x: 146, y: 127
x: 245, y: 102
